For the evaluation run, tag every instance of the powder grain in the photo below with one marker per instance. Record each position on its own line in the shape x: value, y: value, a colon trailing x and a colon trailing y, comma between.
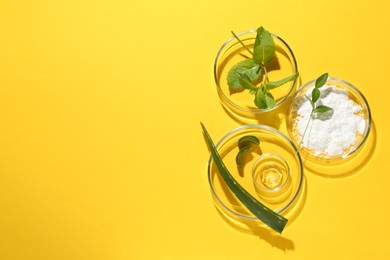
x: 334, y: 133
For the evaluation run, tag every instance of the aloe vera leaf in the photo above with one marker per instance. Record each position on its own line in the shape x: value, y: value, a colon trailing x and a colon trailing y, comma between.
x: 248, y: 139
x: 263, y: 213
x: 240, y: 155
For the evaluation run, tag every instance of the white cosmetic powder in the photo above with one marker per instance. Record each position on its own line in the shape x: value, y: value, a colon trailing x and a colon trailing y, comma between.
x: 335, y: 133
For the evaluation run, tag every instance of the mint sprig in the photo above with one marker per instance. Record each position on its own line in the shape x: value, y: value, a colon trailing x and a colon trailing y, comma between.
x: 243, y: 75
x: 316, y: 110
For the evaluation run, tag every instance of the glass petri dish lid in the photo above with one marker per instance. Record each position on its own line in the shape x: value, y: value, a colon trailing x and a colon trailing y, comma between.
x: 272, y: 144
x: 231, y: 52
x: 360, y: 112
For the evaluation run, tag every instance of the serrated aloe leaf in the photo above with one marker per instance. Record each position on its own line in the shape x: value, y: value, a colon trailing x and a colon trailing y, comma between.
x: 245, y: 82
x: 240, y: 155
x: 322, y: 109
x: 278, y: 83
x: 315, y: 95
x: 264, y: 49
x: 270, y: 100
x: 263, y: 213
x: 248, y: 139
x: 321, y: 80
x: 260, y: 99
x: 246, y: 67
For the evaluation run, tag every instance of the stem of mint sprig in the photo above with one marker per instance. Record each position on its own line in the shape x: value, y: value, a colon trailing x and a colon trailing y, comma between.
x: 316, y: 110
x: 243, y: 75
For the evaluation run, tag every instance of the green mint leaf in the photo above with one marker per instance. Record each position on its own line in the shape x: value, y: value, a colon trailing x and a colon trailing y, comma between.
x: 246, y: 67
x: 245, y: 82
x: 321, y: 80
x: 253, y: 91
x: 315, y: 95
x: 278, y: 83
x: 269, y: 100
x: 322, y: 109
x: 264, y: 48
x: 260, y: 99
x: 240, y: 155
x: 259, y: 32
x: 248, y: 139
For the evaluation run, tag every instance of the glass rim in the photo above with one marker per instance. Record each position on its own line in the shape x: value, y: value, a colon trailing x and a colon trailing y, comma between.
x: 267, y: 128
x: 253, y: 110
x: 365, y: 105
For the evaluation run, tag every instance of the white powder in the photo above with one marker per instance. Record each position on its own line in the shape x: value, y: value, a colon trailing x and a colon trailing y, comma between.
x: 333, y: 135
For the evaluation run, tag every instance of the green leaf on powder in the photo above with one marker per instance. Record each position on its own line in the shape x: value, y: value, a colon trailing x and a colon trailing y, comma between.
x: 315, y: 95
x: 322, y: 109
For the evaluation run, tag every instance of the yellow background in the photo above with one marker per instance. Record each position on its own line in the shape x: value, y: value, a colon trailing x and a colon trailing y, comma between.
x: 101, y: 151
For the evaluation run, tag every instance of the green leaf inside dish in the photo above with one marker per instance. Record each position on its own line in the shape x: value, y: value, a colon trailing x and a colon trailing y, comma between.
x: 246, y: 67
x: 278, y: 83
x: 264, y: 48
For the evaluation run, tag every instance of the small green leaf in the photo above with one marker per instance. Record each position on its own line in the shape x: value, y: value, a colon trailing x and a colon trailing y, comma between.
x: 278, y: 83
x: 321, y: 80
x: 322, y: 109
x: 245, y: 82
x: 315, y: 95
x: 246, y: 67
x: 264, y: 48
x: 240, y: 155
x: 270, y: 100
x: 259, y: 32
x: 311, y: 102
x: 248, y: 139
x: 260, y: 99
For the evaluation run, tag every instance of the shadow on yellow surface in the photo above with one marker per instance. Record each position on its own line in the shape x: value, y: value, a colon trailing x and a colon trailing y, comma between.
x: 259, y: 229
x: 347, y: 167
x: 273, y: 118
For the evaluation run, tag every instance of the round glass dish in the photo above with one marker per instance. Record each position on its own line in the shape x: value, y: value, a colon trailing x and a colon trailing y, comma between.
x: 242, y: 104
x: 338, y: 86
x: 271, y: 142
